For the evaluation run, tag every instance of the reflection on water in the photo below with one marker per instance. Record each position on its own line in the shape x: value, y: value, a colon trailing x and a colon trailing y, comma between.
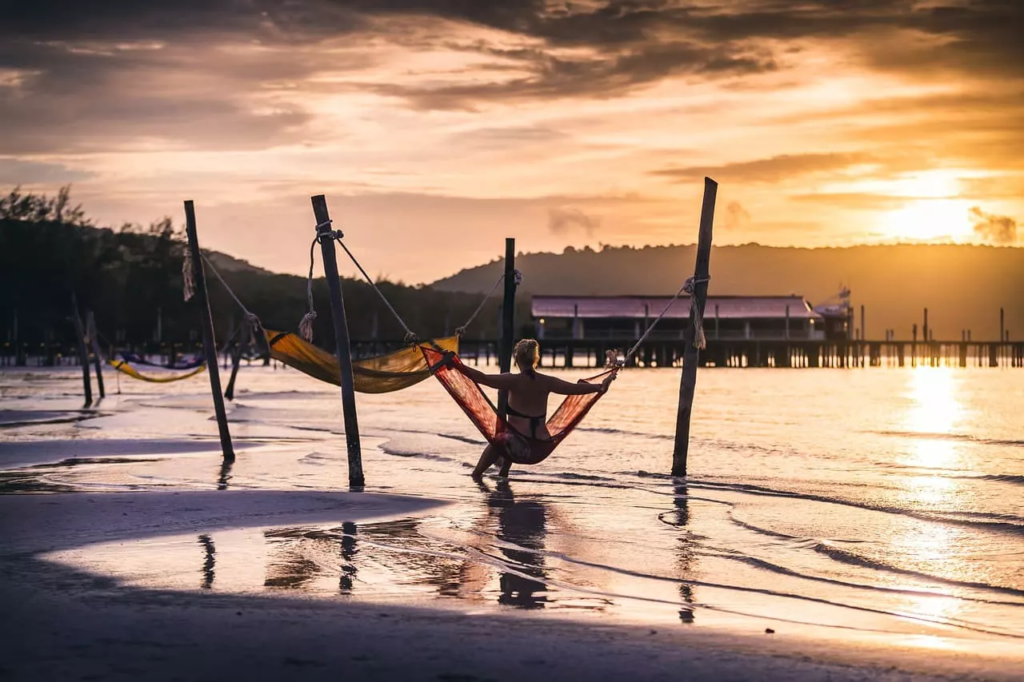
x: 521, y: 523
x: 685, y: 558
x: 348, y: 557
x: 934, y: 409
x: 225, y: 474
x: 209, y: 561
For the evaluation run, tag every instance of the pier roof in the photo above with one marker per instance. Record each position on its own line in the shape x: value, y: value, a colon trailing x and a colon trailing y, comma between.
x: 728, y: 307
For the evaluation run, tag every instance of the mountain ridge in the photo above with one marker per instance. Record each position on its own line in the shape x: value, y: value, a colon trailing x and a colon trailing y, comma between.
x: 963, y: 286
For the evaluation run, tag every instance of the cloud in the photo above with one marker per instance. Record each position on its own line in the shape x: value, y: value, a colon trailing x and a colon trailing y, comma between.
x: 19, y: 172
x: 561, y: 220
x: 996, y: 229
x: 736, y: 217
x: 768, y: 170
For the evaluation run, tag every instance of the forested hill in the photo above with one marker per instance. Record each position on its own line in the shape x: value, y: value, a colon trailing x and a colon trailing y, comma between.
x: 132, y: 277
x: 963, y: 287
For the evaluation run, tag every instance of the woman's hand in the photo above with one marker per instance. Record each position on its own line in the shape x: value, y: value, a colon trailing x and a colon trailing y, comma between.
x: 607, y: 382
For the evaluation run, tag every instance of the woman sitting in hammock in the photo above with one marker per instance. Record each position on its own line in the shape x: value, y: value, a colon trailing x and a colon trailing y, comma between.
x: 528, y: 392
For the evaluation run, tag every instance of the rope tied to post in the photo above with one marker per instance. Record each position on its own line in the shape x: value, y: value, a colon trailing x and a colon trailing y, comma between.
x: 306, y: 323
x: 699, y: 342
x: 517, y: 278
x: 188, y: 282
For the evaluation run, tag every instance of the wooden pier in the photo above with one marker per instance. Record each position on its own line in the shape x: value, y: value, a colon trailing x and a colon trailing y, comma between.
x: 589, y: 353
x: 585, y: 353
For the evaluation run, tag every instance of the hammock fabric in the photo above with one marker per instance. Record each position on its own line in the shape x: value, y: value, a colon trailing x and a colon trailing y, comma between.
x: 195, y: 361
x: 514, y: 445
x: 382, y: 374
x: 122, y: 366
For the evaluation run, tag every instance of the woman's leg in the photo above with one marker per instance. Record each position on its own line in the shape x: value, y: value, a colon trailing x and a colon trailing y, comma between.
x: 487, y: 458
x: 506, y: 464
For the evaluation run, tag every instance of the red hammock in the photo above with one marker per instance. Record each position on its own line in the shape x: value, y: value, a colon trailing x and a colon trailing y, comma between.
x: 516, y: 446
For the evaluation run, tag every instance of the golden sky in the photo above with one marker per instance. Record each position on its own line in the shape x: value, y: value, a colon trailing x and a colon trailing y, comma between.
x: 438, y: 127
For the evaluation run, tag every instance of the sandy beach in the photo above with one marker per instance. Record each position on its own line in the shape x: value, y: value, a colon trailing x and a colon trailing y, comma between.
x: 130, y: 551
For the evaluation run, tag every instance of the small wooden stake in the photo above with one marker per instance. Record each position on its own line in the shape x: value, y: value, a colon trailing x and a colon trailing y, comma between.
x: 236, y: 358
x: 209, y: 342
x: 691, y: 354
x: 90, y: 322
x: 508, y: 309
x: 83, y: 353
x: 348, y: 393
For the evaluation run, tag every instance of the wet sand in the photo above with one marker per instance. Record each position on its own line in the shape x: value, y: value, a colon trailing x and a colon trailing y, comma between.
x: 894, y: 554
x: 59, y: 623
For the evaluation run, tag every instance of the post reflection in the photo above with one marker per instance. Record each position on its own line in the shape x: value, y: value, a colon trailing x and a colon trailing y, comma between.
x: 686, y: 558
x: 524, y: 524
x: 209, y: 562
x: 225, y: 474
x: 348, y: 556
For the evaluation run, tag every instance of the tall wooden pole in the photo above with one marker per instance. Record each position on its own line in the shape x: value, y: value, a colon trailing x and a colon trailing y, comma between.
x: 209, y: 342
x: 83, y: 353
x: 90, y: 325
x: 348, y: 392
x: 688, y: 382
x: 508, y: 308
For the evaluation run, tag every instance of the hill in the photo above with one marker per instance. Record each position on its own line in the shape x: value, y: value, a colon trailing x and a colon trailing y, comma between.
x: 962, y: 286
x: 132, y: 280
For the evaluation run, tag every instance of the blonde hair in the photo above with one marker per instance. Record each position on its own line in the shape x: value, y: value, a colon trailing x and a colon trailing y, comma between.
x: 527, y: 354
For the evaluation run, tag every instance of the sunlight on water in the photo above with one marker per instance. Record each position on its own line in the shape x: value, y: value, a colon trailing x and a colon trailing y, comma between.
x: 935, y: 408
x: 887, y: 500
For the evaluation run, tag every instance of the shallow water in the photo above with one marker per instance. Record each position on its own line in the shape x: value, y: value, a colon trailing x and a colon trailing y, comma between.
x: 842, y: 501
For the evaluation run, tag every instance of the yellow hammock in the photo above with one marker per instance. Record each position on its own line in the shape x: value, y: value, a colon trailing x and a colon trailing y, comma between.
x: 382, y: 374
x: 122, y: 366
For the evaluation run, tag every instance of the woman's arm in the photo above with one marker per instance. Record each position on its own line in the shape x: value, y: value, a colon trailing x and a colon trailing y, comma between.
x: 499, y: 381
x: 556, y: 385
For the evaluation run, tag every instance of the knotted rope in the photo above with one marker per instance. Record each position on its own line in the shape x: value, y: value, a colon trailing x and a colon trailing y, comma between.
x: 518, y: 279
x: 306, y: 323
x: 188, y: 282
x: 699, y: 341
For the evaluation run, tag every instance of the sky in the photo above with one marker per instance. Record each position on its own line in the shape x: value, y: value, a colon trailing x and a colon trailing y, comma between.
x: 438, y: 127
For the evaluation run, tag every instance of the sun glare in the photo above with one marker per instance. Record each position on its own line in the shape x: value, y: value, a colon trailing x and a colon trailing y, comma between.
x: 933, y: 210
x: 930, y: 220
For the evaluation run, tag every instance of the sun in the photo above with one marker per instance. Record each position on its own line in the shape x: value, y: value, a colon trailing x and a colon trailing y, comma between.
x: 933, y: 210
x: 930, y: 220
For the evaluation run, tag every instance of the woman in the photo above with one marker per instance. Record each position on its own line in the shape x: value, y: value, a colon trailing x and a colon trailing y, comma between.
x: 528, y: 393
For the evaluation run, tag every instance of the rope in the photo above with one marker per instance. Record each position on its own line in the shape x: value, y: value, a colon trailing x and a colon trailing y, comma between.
x: 249, y: 316
x: 306, y: 323
x: 410, y: 337
x: 188, y: 283
x: 698, y: 338
x: 518, y: 278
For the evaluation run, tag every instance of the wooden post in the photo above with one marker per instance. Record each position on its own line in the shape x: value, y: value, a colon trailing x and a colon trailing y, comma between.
x: 83, y: 353
x: 348, y: 392
x: 691, y: 354
x: 508, y: 307
x: 90, y: 326
x: 1002, y: 324
x: 209, y: 342
x: 236, y: 358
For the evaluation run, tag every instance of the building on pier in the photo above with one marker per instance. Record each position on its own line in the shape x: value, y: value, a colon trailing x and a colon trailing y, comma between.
x: 725, y: 317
